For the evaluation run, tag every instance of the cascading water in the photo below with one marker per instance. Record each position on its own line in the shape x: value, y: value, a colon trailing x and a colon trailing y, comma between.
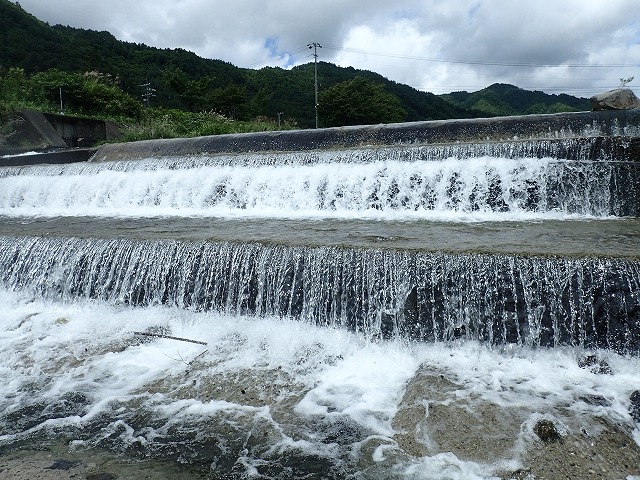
x: 366, y: 184
x: 500, y: 299
x: 355, y: 303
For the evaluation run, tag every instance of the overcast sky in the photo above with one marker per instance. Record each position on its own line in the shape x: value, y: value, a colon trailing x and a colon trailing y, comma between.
x: 580, y: 47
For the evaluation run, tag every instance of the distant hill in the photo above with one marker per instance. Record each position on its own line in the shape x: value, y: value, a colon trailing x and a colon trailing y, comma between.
x: 504, y: 99
x: 185, y: 81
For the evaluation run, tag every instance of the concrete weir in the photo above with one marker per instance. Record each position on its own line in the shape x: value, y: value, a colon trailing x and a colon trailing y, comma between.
x: 555, y: 128
x: 451, y: 300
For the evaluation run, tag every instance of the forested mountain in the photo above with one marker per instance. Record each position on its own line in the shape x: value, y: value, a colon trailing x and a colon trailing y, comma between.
x: 505, y: 99
x: 182, y: 80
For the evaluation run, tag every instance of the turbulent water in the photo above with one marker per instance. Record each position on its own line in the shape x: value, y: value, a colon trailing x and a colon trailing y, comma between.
x: 372, y: 313
x: 382, y: 189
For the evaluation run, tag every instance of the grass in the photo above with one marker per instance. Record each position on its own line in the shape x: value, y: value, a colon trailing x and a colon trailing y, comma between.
x: 163, y: 123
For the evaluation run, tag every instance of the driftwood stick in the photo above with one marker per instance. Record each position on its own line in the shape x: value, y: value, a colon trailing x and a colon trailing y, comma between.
x: 159, y: 335
x: 197, y: 356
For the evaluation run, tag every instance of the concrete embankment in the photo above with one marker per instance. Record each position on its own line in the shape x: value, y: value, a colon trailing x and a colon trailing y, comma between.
x: 49, y: 138
x: 67, y: 155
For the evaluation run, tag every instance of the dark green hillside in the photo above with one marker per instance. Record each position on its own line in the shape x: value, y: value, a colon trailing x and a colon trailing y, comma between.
x: 25, y: 41
x: 275, y: 90
x: 504, y: 99
x: 418, y: 105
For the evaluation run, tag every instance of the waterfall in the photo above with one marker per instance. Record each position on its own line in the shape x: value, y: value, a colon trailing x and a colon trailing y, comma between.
x: 435, y: 297
x: 402, y: 301
x: 389, y: 188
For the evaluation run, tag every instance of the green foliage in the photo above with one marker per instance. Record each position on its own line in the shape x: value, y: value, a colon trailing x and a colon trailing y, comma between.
x: 7, y: 123
x: 90, y: 93
x: 359, y: 102
x: 99, y: 95
x: 231, y: 100
x: 492, y: 106
x: 13, y: 86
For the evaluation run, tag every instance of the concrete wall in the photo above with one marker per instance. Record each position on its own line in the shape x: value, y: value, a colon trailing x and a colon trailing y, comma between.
x: 44, y: 131
x: 35, y: 132
x: 82, y: 132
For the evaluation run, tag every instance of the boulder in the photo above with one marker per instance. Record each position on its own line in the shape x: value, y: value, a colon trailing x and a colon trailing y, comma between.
x: 618, y: 99
x: 635, y: 406
x: 546, y: 431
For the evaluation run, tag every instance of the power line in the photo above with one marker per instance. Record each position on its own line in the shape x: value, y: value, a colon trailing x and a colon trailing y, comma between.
x: 453, y: 61
x: 485, y: 63
x: 525, y: 87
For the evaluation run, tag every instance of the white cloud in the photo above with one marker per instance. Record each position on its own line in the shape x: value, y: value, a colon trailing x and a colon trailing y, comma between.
x: 497, y: 40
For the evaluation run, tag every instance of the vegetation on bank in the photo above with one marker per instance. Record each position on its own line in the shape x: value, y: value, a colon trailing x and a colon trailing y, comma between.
x: 173, y: 123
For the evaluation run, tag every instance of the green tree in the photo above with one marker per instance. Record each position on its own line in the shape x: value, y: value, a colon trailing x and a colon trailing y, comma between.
x: 13, y: 86
x: 359, y: 102
x: 230, y: 101
x: 191, y: 92
x: 89, y: 93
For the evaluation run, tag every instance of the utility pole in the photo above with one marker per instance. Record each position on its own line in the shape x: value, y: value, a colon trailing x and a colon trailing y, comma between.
x: 315, y: 47
x: 61, y: 107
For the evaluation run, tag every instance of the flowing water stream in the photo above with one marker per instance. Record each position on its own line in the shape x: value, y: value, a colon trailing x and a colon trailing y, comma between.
x: 398, y: 311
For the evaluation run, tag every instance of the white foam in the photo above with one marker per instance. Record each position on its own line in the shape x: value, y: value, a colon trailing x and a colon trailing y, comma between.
x: 446, y: 466
x: 364, y: 386
x: 49, y: 349
x: 483, y: 188
x: 21, y: 154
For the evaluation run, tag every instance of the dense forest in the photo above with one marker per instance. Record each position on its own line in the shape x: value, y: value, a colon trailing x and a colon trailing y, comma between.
x: 98, y: 75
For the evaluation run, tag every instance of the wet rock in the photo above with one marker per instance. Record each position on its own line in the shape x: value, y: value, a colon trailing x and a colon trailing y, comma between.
x: 617, y: 99
x: 341, y: 432
x: 151, y: 333
x: 62, y: 464
x: 607, y: 452
x: 431, y: 419
x: 634, y: 410
x: 520, y: 474
x: 299, y: 465
x: 546, y: 431
x: 597, y: 400
x: 597, y: 366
